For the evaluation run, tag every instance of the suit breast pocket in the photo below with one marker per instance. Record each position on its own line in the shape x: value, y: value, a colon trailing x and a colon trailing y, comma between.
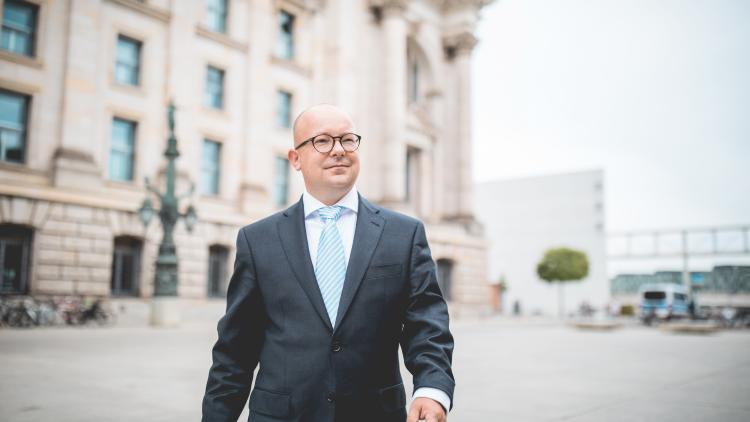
x: 383, y: 271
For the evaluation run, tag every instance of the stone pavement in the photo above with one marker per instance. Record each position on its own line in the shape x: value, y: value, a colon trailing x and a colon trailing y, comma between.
x: 506, y: 370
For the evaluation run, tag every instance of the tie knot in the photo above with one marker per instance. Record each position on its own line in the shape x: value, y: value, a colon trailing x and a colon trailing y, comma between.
x: 330, y: 213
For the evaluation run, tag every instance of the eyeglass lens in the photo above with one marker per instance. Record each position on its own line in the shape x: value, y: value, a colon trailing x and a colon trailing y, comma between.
x: 324, y: 143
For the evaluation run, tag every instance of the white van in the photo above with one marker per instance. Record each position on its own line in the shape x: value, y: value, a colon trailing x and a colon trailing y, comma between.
x: 663, y: 301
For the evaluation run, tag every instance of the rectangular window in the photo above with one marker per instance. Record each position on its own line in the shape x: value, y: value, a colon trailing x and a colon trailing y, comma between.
x: 216, y: 15
x: 13, y: 121
x: 214, y: 88
x: 19, y: 27
x: 654, y: 295
x: 281, y: 189
x: 128, y: 61
x: 412, y: 175
x: 210, y: 167
x: 413, y: 83
x: 283, y: 109
x: 122, y: 150
x: 285, y: 40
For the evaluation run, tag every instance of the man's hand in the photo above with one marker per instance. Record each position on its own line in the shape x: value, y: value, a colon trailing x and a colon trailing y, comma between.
x: 427, y: 410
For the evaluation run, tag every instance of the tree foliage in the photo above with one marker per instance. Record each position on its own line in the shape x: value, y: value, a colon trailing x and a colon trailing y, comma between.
x: 502, y: 283
x: 563, y: 264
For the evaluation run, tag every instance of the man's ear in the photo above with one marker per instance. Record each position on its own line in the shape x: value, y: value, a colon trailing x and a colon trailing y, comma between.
x: 293, y: 156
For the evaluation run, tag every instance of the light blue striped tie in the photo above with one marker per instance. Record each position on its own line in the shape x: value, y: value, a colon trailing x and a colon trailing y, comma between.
x: 330, y: 267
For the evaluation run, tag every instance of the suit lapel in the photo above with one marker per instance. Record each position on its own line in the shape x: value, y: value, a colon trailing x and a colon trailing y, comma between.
x: 366, y: 236
x: 294, y: 241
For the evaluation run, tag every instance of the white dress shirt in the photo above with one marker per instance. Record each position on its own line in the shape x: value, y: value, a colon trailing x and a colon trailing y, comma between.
x: 346, y: 224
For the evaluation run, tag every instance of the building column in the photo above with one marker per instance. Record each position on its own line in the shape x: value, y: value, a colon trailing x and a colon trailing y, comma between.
x: 394, y: 91
x: 74, y: 164
x: 459, y: 48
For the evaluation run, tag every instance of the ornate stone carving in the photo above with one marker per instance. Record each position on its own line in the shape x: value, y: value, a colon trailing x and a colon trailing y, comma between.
x: 458, y: 4
x: 389, y: 7
x: 462, y: 43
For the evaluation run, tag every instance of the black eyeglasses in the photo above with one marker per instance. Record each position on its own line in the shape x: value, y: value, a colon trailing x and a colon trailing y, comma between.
x: 324, y: 142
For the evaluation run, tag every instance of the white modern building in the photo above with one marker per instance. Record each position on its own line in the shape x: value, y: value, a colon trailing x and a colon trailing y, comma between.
x: 84, y: 86
x: 525, y: 217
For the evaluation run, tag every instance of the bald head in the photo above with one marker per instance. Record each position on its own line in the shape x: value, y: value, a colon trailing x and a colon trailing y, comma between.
x: 328, y: 175
x: 321, y: 118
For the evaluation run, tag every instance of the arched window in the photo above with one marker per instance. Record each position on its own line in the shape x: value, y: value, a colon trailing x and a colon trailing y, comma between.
x: 126, y: 265
x: 217, y: 270
x: 445, y: 277
x: 15, y: 254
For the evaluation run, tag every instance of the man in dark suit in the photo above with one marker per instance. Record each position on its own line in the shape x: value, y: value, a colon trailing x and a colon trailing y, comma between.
x: 322, y: 295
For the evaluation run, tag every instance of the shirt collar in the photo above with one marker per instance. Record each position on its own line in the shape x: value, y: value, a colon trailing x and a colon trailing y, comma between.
x: 350, y: 201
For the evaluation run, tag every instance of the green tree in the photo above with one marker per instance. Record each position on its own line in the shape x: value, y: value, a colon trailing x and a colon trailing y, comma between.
x: 561, y: 265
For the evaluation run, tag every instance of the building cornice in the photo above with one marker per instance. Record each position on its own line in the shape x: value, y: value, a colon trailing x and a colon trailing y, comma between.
x: 390, y: 7
x: 443, y: 5
x: 218, y: 37
x: 19, y: 59
x: 449, y: 5
x: 145, y: 9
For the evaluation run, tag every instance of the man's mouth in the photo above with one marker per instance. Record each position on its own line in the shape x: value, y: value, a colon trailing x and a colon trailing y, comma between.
x: 337, y: 165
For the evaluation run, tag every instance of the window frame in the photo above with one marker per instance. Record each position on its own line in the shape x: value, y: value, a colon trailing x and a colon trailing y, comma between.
x: 23, y: 127
x: 413, y: 175
x: 284, y: 122
x: 217, y: 170
x: 225, y: 17
x: 33, y: 32
x: 139, y: 60
x: 288, y: 38
x: 281, y: 186
x: 413, y: 81
x: 208, y: 99
x: 133, y: 152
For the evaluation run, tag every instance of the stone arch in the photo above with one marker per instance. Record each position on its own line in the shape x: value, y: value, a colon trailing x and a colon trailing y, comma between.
x: 419, y: 74
x: 125, y: 279
x: 15, y: 258
x: 218, y: 270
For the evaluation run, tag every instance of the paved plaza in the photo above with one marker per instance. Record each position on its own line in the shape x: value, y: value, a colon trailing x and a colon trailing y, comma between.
x: 506, y: 370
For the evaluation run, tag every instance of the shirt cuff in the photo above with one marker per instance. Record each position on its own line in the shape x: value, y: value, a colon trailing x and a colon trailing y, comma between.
x: 434, y: 394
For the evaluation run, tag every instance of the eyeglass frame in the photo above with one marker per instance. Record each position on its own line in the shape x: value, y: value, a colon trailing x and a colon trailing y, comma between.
x: 333, y: 145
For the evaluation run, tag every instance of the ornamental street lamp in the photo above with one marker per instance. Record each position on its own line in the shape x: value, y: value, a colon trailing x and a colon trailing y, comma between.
x: 164, y: 306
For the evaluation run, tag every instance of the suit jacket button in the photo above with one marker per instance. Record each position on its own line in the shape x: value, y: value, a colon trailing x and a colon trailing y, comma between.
x: 336, y: 346
x: 331, y: 398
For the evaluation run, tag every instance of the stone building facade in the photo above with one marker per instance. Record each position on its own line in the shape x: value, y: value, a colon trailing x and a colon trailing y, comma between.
x: 84, y: 86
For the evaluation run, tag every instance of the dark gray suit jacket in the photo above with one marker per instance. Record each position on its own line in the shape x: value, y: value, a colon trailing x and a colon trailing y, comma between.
x: 308, y: 371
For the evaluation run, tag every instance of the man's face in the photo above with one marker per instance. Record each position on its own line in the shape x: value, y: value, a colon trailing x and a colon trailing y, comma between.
x: 324, y: 173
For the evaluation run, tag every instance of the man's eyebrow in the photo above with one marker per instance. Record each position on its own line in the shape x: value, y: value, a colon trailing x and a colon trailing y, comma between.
x: 329, y: 134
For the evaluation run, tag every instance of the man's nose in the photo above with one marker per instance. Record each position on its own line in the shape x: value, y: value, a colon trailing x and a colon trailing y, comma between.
x: 338, y: 149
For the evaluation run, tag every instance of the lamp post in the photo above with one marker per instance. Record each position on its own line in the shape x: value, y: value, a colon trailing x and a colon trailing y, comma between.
x: 164, y: 305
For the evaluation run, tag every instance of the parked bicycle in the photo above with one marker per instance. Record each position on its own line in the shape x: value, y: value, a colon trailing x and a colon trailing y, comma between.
x: 26, y: 312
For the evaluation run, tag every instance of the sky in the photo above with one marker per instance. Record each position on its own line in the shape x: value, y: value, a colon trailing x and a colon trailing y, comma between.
x: 654, y: 92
